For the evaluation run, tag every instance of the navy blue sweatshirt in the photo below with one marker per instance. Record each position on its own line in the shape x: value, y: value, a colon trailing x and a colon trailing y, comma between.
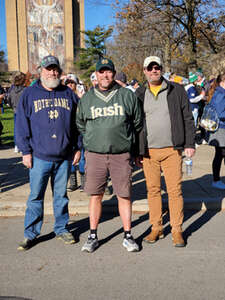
x: 218, y: 101
x: 45, y: 122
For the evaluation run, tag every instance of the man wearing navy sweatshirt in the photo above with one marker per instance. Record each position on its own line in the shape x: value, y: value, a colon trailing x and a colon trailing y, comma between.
x: 47, y: 138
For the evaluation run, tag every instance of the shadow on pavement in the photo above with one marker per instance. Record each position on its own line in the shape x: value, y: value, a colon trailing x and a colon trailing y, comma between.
x: 12, y: 173
x: 13, y: 298
x: 197, y: 224
x: 81, y: 226
x: 198, y: 189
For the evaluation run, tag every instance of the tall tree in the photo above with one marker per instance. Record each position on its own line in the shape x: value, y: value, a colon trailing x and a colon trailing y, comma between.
x: 95, y: 48
x: 179, y: 27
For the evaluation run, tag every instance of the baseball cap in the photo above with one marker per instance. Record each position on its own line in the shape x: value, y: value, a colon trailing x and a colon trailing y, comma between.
x: 50, y: 60
x: 192, y: 77
x: 151, y: 59
x: 72, y: 77
x: 105, y: 63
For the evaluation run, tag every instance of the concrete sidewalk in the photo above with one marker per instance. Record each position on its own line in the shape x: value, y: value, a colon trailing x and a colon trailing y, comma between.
x: 197, y: 191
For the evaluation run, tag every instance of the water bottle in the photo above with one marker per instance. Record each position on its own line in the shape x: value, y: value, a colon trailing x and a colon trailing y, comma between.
x: 188, y: 163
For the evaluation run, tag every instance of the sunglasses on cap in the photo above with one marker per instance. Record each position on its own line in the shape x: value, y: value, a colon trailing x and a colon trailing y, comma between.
x: 150, y: 68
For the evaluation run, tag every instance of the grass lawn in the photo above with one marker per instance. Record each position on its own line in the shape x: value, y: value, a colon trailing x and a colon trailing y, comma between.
x: 7, y: 119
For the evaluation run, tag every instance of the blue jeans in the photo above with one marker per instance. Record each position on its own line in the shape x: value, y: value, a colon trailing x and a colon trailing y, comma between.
x: 39, y: 175
x: 195, y: 116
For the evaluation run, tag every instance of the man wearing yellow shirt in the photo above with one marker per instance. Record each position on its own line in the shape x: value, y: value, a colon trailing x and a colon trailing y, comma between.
x: 168, y: 130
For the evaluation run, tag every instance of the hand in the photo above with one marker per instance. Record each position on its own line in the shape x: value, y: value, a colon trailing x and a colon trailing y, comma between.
x: 139, y: 161
x: 27, y: 161
x: 79, y: 94
x: 189, y: 152
x: 76, y: 157
x: 203, y: 93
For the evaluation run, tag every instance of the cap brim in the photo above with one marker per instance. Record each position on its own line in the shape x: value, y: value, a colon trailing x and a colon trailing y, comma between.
x: 48, y: 65
x: 105, y: 67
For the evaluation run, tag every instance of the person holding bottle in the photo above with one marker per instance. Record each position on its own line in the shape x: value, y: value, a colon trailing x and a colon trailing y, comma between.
x: 168, y: 129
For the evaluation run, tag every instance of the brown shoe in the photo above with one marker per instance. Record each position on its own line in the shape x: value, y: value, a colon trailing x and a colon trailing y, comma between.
x: 178, y: 240
x: 154, y: 236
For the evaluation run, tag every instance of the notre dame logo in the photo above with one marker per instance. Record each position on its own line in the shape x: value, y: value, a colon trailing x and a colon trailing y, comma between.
x: 105, y: 61
x: 53, y: 114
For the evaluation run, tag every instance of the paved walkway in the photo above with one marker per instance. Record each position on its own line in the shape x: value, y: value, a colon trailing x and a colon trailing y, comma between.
x: 197, y: 190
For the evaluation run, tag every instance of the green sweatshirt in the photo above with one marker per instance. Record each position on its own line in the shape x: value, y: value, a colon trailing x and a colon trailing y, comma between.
x: 109, y: 120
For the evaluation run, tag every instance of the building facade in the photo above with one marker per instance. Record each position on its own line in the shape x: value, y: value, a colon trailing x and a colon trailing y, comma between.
x: 36, y: 28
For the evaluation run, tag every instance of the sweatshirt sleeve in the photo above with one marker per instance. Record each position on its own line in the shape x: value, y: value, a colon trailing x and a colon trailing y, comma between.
x: 23, y: 131
x: 137, y: 114
x: 193, y: 95
x: 137, y: 123
x: 80, y: 121
x: 218, y: 101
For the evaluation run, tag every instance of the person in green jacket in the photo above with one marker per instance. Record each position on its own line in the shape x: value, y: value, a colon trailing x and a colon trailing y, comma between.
x: 108, y: 116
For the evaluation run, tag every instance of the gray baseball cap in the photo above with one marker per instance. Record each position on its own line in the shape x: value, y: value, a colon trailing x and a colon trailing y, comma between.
x: 50, y: 60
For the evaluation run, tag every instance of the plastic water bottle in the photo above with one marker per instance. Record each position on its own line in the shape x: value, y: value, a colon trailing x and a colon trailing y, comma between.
x: 188, y: 163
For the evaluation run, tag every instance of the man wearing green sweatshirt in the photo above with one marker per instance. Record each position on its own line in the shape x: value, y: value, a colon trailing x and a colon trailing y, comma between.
x: 108, y: 117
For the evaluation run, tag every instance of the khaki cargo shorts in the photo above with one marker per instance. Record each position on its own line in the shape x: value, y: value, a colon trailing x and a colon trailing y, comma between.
x: 99, y: 167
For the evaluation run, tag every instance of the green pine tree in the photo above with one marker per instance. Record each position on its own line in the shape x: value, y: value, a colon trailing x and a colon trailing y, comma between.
x: 95, y: 48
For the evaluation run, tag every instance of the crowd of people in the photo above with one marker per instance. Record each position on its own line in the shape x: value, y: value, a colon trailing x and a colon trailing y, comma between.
x: 61, y: 127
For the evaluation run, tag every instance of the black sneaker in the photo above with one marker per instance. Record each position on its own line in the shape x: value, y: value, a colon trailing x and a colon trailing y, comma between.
x: 90, y: 245
x: 26, y: 244
x: 67, y: 238
x: 72, y: 188
x: 73, y: 182
x: 82, y: 182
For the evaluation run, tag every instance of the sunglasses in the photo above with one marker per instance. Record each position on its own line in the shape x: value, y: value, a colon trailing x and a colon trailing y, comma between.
x: 69, y: 81
x: 150, y: 68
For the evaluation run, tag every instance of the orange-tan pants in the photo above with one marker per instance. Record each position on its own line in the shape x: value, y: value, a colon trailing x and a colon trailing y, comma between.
x: 170, y: 162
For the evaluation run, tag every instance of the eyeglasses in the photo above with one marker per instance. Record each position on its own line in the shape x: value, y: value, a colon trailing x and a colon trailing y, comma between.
x: 150, y: 68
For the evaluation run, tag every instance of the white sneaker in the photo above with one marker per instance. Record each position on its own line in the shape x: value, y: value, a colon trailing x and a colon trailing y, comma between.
x: 204, y: 142
x: 218, y: 185
x: 130, y: 244
x: 90, y: 245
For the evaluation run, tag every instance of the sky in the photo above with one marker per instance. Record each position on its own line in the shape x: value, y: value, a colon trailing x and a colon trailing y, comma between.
x: 101, y: 14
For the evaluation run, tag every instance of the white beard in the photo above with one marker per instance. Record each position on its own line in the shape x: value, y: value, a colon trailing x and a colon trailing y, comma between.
x: 50, y: 83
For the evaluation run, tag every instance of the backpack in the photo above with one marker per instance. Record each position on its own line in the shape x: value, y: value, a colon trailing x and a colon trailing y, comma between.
x: 209, y: 120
